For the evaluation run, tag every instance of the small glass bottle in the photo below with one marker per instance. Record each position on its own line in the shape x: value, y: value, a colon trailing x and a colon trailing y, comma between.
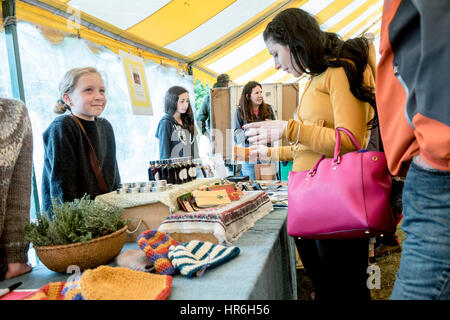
x: 157, y: 174
x: 192, y: 171
x: 187, y: 167
x: 164, y: 170
x: 183, y: 171
x: 171, y: 178
x: 177, y: 170
x: 151, y: 174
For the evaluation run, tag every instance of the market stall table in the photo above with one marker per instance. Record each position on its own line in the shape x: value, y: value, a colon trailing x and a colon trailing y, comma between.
x: 264, y: 269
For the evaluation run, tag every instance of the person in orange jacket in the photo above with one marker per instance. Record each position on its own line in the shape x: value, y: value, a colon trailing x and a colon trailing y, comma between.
x: 414, y: 116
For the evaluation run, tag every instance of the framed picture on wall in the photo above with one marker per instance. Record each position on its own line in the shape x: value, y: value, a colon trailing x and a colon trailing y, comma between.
x: 137, y: 84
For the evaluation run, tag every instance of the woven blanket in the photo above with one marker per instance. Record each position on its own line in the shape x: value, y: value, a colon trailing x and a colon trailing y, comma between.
x: 226, y: 222
x: 168, y: 197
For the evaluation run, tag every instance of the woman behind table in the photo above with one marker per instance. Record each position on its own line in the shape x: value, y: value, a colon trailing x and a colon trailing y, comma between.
x: 16, y: 150
x: 67, y: 173
x: 340, y: 93
x: 176, y: 128
x: 252, y: 108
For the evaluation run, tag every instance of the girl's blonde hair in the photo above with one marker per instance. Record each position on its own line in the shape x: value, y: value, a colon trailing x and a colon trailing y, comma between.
x: 67, y: 85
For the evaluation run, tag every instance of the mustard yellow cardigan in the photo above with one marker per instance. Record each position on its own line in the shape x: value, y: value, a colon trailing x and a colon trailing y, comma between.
x: 327, y: 103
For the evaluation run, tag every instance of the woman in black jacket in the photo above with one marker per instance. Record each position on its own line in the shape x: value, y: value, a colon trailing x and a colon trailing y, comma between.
x: 176, y: 128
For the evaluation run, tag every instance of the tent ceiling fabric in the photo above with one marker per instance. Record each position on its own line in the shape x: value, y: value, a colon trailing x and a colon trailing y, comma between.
x: 223, y: 36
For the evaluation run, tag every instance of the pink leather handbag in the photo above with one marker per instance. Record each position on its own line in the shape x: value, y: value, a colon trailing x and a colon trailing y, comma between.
x: 344, y: 197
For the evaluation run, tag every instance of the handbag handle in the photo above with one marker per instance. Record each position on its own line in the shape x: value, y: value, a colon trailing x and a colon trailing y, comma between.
x: 337, y: 147
x: 93, y: 160
x: 337, y: 150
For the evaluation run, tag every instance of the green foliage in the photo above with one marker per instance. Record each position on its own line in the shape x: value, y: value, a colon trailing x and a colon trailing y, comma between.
x: 78, y: 221
x: 201, y: 92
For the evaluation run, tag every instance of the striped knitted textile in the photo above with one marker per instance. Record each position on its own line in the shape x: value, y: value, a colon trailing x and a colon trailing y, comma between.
x: 194, y: 257
x: 51, y: 291
x: 156, y: 245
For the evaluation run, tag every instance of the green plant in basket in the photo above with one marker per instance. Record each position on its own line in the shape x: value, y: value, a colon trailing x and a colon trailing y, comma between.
x: 78, y: 221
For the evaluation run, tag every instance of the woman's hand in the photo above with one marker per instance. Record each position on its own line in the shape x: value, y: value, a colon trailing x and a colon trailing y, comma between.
x: 264, y: 132
x: 260, y: 151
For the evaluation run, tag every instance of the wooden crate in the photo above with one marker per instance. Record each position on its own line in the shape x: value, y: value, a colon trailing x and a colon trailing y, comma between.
x: 144, y: 217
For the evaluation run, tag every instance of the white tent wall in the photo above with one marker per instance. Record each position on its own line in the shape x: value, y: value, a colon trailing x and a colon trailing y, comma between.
x: 5, y: 86
x: 43, y: 66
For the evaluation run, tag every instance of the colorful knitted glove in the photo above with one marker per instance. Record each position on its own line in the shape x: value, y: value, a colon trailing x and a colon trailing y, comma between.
x: 194, y: 257
x: 156, y: 245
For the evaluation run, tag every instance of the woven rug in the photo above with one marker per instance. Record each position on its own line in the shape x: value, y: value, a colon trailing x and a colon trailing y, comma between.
x: 226, y: 222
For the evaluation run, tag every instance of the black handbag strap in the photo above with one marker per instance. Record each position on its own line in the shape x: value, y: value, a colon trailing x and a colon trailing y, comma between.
x: 93, y: 160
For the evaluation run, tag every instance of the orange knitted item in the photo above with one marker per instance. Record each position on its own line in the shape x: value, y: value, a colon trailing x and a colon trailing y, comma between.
x: 117, y: 283
x: 241, y: 153
x: 155, y: 245
x: 51, y: 291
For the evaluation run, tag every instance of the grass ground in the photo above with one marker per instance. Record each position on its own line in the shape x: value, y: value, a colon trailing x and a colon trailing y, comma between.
x: 388, y: 266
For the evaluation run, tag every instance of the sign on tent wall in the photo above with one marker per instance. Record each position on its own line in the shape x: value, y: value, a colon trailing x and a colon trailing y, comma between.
x: 137, y: 84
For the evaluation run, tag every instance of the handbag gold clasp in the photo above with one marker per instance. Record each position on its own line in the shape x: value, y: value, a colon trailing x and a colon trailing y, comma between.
x: 336, y: 162
x: 311, y: 174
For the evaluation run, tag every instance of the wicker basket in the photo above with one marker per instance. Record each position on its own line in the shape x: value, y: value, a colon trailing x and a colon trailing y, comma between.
x: 84, y: 255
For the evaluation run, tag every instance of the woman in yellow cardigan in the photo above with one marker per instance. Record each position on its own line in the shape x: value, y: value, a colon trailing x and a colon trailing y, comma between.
x: 340, y: 93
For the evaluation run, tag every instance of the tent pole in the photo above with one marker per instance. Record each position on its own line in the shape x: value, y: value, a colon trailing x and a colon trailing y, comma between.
x: 12, y: 48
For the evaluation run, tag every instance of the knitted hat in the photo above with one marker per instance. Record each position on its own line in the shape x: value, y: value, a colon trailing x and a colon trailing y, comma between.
x: 194, y: 257
x: 116, y: 283
x: 156, y: 245
x: 134, y: 259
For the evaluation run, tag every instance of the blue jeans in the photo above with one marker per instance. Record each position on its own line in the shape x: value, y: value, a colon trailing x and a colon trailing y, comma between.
x: 425, y: 263
x: 248, y: 169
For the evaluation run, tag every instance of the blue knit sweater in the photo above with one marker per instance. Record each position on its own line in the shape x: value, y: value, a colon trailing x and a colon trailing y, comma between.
x: 67, y: 173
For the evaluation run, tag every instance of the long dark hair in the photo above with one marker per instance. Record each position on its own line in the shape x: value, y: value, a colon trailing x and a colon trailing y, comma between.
x: 315, y: 50
x: 245, y: 104
x: 170, y: 107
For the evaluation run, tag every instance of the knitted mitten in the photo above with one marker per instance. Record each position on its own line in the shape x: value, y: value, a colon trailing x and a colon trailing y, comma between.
x: 156, y: 245
x: 194, y: 257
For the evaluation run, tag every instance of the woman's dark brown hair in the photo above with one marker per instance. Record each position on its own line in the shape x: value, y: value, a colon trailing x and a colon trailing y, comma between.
x: 170, y: 106
x: 245, y: 104
x: 315, y: 50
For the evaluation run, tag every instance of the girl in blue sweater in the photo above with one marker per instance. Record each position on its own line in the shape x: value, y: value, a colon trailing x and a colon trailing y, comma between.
x: 68, y: 173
